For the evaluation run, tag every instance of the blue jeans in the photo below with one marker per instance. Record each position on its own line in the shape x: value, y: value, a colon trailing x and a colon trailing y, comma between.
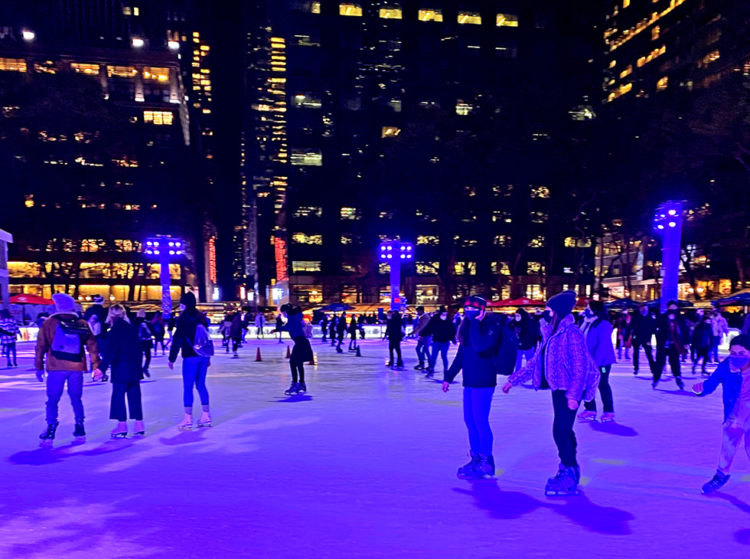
x: 194, y: 371
x: 527, y: 353
x: 715, y: 348
x: 442, y: 348
x: 477, y: 402
x: 423, y: 350
x: 55, y: 386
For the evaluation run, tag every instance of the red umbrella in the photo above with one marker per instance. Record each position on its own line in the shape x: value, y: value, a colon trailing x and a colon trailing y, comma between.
x: 28, y: 299
x: 501, y: 303
x: 522, y: 302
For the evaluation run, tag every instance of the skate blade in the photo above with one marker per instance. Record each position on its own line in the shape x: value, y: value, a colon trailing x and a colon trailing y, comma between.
x: 562, y: 493
x: 45, y: 444
x: 185, y: 428
x: 140, y: 434
x: 204, y: 425
x: 79, y: 440
x: 118, y: 435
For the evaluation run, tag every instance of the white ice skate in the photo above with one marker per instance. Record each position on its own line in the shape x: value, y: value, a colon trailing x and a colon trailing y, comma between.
x: 186, y: 424
x: 205, y: 420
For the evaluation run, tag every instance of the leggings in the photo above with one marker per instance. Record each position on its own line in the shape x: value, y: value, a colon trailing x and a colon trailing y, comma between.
x: 194, y: 371
x: 606, y: 392
x: 298, y: 369
x: 562, y: 429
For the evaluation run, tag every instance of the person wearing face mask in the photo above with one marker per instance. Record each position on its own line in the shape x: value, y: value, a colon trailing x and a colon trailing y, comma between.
x: 701, y: 342
x: 479, y: 339
x: 443, y: 333
x: 733, y: 374
x: 527, y: 332
x: 598, y: 333
x: 562, y: 364
x: 671, y: 339
x: 643, y: 329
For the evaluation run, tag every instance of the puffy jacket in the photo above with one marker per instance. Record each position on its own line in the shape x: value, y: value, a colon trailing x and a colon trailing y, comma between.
x: 730, y: 382
x: 476, y: 356
x: 568, y: 365
x: 44, y: 345
x: 599, y: 342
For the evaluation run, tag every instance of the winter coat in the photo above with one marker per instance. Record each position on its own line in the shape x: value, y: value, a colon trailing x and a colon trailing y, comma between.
x: 599, y: 342
x: 527, y: 331
x: 235, y: 328
x: 8, y: 331
x: 719, y: 326
x: 476, y: 356
x: 644, y: 327
x: 294, y: 326
x: 730, y: 382
x: 123, y: 353
x: 44, y: 346
x: 664, y: 335
x: 702, y: 338
x: 442, y: 331
x: 568, y: 365
x: 393, y: 330
x: 422, y: 323
x: 184, y: 335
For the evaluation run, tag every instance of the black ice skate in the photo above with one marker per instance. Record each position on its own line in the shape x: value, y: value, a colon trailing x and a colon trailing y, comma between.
x: 565, y: 483
x: 292, y: 390
x: 301, y: 387
x: 717, y: 482
x: 49, y: 435
x: 79, y: 432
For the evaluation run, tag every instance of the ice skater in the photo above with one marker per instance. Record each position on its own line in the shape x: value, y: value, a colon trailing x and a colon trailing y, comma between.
x: 260, y: 322
x: 60, y: 348
x: 671, y: 339
x: 443, y: 334
x: 394, y: 332
x: 563, y: 365
x: 598, y: 333
x: 145, y: 336
x: 123, y: 356
x: 340, y: 331
x: 190, y: 338
x: 734, y: 376
x: 479, y: 339
x: 8, y: 335
x: 301, y: 352
x: 353, y: 331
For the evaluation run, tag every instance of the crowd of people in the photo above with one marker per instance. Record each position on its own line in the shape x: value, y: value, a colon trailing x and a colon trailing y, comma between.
x: 570, y: 354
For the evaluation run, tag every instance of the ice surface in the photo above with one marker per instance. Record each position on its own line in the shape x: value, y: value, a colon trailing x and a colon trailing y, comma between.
x: 363, y: 466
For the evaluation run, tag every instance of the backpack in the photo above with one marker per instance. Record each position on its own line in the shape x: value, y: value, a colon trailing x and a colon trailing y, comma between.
x: 67, y: 342
x: 203, y: 345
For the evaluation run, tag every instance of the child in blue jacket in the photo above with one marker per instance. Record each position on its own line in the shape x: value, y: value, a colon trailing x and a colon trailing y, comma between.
x: 734, y: 375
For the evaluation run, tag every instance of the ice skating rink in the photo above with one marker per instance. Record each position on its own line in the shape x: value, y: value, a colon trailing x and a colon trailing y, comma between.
x: 363, y: 466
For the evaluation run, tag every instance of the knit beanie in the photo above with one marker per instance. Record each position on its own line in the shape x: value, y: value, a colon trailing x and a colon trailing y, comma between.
x: 476, y: 302
x: 563, y: 303
x: 64, y: 303
x: 188, y: 299
x: 741, y: 340
x: 597, y: 307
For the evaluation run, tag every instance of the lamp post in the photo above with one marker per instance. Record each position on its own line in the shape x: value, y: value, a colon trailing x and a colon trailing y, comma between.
x: 396, y: 253
x: 668, y: 225
x: 165, y: 249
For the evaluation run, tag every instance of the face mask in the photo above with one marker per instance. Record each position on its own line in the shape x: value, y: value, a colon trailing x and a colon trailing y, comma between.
x: 738, y: 362
x: 547, y: 316
x: 471, y: 313
x: 587, y: 313
x: 443, y: 317
x: 644, y: 312
x: 518, y: 318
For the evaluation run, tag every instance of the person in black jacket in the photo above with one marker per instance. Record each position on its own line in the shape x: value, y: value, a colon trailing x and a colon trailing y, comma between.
x: 443, y: 334
x: 236, y: 328
x: 643, y: 328
x: 123, y: 356
x: 341, y: 327
x: 527, y: 332
x: 701, y: 342
x: 479, y: 341
x: 395, y: 333
x: 194, y: 367
x: 671, y: 341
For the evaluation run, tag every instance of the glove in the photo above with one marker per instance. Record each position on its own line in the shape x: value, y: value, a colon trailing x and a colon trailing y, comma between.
x: 40, y: 376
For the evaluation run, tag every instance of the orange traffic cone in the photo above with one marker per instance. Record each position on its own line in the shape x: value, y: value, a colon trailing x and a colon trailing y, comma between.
x: 288, y: 352
x: 257, y: 356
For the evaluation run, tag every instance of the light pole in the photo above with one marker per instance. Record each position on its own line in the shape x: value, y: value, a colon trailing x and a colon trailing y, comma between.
x: 668, y: 225
x: 5, y: 238
x: 396, y: 253
x: 165, y: 249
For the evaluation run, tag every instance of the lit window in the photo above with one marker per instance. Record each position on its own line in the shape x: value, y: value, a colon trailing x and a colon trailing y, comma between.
x: 430, y: 240
x: 390, y: 131
x: 121, y: 71
x: 47, y: 67
x: 502, y: 240
x: 307, y: 158
x: 306, y: 266
x: 315, y: 7
x: 655, y: 32
x: 620, y: 91
x: 537, y: 242
x: 393, y: 12
x: 305, y: 239
x: 534, y: 291
x: 505, y: 190
x: 308, y: 211
x: 465, y: 268
x: 158, y: 117
x: 384, y: 268
x: 350, y: 213
x: 627, y: 71
x: 502, y: 216
x: 469, y: 18
x: 500, y: 268
x: 507, y: 20
x: 464, y: 242
x: 88, y: 69
x: 539, y: 216
x: 534, y: 268
x: 612, y: 63
x: 657, y: 52
x: 712, y: 56
x: 306, y: 101
x: 427, y: 268
x: 463, y: 109
x: 572, y: 242
x: 347, y: 9
x: 431, y: 15
x: 136, y: 11
x: 156, y: 74
x: 662, y: 84
x: 539, y: 192
x: 348, y: 239
x: 13, y: 64
x: 395, y: 104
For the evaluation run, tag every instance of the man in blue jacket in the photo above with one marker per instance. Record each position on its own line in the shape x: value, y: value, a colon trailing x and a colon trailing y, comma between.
x: 734, y: 375
x: 479, y: 342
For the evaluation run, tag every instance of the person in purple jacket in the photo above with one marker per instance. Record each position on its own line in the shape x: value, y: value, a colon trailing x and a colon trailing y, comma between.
x: 563, y: 365
x: 598, y: 333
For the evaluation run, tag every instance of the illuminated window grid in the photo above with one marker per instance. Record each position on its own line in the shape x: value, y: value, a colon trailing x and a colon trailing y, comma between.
x: 121, y: 71
x: 158, y: 118
x: 152, y: 73
x: 639, y: 27
x: 351, y: 10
